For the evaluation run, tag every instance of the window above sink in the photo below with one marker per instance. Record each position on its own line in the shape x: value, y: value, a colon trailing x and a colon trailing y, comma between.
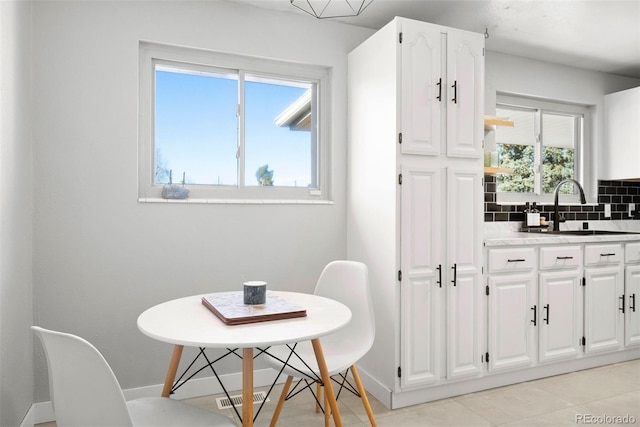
x: 550, y: 141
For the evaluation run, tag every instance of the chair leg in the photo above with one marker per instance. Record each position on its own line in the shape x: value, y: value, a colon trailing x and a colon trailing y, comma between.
x: 319, y: 393
x: 327, y: 411
x: 283, y: 396
x: 363, y: 395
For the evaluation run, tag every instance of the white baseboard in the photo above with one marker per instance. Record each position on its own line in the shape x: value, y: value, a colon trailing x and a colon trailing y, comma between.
x: 28, y: 420
x: 375, y: 387
x: 42, y: 412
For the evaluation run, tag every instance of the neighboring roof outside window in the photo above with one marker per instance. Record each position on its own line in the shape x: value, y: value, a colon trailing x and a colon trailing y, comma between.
x: 298, y: 115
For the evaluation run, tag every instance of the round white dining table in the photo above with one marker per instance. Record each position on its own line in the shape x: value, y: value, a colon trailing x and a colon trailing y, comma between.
x: 187, y: 322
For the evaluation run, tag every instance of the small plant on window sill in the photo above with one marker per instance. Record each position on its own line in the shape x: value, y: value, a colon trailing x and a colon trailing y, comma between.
x: 175, y: 191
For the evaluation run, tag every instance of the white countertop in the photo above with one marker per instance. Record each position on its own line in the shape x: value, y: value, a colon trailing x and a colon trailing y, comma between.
x: 507, y: 234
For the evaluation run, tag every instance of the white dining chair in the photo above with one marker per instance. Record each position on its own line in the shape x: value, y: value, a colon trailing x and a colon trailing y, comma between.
x: 348, y: 283
x: 85, y: 392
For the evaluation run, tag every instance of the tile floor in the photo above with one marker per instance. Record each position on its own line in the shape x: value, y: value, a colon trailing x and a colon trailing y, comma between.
x: 612, y: 391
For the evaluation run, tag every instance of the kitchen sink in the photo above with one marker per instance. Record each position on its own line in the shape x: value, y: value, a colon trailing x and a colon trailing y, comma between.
x: 590, y: 232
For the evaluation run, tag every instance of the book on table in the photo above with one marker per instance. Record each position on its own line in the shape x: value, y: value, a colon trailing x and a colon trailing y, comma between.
x: 231, y: 309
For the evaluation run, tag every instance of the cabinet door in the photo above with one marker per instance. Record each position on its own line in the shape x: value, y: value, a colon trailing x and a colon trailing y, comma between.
x: 465, y: 315
x: 422, y: 88
x: 603, y: 318
x: 632, y: 313
x: 421, y: 285
x: 621, y: 158
x: 560, y: 315
x: 512, y: 317
x: 465, y: 89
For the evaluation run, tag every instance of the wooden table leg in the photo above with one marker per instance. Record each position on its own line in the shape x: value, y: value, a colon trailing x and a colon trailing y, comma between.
x: 171, y: 372
x: 326, y: 380
x: 247, y: 387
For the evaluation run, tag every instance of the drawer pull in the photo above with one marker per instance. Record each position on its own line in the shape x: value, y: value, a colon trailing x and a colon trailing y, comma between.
x: 516, y: 260
x: 564, y: 257
x: 632, y: 306
x: 439, y: 275
x: 611, y: 254
x: 621, y: 308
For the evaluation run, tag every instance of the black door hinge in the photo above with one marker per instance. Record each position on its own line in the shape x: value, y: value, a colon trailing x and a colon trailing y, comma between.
x: 400, y: 37
x: 400, y: 138
x: 399, y: 372
x: 487, y: 290
x: 486, y: 357
x: 584, y: 341
x: 584, y: 281
x: 400, y: 179
x: 399, y: 275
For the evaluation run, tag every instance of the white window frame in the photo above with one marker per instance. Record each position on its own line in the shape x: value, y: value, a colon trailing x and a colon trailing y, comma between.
x: 151, y: 54
x: 582, y: 152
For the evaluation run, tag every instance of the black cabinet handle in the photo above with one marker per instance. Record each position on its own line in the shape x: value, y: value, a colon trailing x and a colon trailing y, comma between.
x: 611, y: 254
x: 621, y: 308
x: 632, y: 306
x: 564, y: 257
x: 439, y: 275
x: 455, y: 92
x: 516, y: 260
x: 535, y: 314
x: 439, y: 84
x: 546, y: 308
x: 455, y: 274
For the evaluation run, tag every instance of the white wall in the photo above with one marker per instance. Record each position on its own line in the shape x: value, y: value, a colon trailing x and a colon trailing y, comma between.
x: 16, y: 342
x: 101, y: 257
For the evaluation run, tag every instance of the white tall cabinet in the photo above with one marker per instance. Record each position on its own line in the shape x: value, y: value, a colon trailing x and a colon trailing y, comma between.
x: 415, y: 200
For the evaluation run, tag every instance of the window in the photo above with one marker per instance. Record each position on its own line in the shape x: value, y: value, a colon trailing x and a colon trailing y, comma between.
x: 545, y: 146
x: 231, y: 128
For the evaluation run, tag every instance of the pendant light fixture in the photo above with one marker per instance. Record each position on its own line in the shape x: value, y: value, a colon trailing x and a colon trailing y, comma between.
x: 332, y: 8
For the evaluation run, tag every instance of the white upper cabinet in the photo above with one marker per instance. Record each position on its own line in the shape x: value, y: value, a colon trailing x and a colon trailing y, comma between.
x: 621, y: 147
x: 423, y: 91
x: 465, y: 80
x: 442, y: 90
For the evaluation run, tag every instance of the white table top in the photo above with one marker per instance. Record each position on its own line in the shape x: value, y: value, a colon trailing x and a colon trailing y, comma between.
x: 186, y: 321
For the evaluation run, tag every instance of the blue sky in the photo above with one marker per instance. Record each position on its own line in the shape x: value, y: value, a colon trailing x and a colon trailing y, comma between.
x: 196, y: 130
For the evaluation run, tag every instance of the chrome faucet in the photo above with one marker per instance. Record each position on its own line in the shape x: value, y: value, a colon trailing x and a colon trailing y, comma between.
x: 556, y: 216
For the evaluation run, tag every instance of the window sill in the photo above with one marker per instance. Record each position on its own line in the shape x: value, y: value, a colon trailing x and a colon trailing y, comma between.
x: 234, y: 201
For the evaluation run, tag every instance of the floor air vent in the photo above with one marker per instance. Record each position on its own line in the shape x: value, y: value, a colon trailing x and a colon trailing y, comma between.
x: 228, y: 402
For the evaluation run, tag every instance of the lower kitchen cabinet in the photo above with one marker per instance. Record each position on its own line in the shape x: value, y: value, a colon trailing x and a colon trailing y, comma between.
x: 632, y: 293
x: 604, y: 298
x: 559, y: 315
x: 632, y: 314
x: 533, y: 318
x: 560, y: 304
x: 512, y: 321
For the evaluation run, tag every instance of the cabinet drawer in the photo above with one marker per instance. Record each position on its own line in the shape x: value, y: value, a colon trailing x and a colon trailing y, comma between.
x: 603, y: 254
x: 511, y: 259
x: 632, y: 252
x: 560, y: 257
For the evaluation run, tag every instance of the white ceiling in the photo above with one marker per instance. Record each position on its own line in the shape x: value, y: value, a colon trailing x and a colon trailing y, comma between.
x: 601, y: 35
